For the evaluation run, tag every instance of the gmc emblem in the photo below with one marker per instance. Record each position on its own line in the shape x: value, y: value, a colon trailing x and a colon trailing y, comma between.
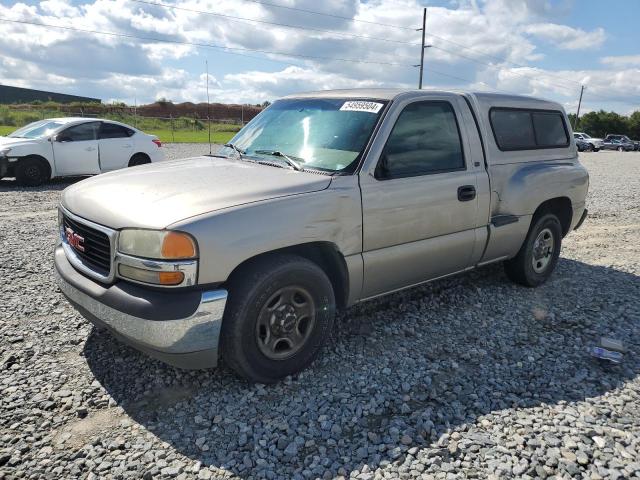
x: 75, y: 240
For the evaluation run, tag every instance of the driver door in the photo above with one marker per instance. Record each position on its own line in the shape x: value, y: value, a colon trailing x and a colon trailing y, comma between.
x: 75, y: 149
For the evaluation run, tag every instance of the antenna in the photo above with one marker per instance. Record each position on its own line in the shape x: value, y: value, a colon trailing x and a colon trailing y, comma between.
x: 206, y: 62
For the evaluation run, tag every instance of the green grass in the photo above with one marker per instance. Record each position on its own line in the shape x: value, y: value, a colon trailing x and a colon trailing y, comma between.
x: 6, y: 129
x: 165, y: 136
x: 185, y: 136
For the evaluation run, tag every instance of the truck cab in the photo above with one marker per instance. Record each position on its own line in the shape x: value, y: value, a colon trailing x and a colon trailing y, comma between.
x: 324, y: 200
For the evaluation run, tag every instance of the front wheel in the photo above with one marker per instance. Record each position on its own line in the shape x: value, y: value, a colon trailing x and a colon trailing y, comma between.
x: 621, y: 149
x: 279, y: 314
x: 31, y: 172
x: 539, y: 254
x: 139, y: 159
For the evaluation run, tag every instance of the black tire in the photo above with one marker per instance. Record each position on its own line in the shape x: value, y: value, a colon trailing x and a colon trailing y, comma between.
x: 520, y: 269
x: 621, y: 149
x: 250, y: 290
x: 31, y: 172
x: 596, y: 149
x: 590, y: 148
x: 139, y: 159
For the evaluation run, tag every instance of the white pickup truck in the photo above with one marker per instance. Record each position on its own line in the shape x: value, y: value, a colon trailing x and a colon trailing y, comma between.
x: 323, y: 200
x: 58, y: 147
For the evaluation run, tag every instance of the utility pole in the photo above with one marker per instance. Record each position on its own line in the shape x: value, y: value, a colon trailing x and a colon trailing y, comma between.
x: 206, y: 62
x: 575, y: 123
x: 422, y: 46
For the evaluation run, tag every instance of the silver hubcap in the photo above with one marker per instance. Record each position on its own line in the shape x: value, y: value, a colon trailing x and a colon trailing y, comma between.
x: 285, y: 322
x: 542, y: 251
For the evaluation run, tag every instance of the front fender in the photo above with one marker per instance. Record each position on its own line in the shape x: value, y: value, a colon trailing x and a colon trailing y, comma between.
x: 227, y: 238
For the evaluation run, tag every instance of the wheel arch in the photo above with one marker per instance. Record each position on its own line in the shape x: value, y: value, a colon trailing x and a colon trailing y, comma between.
x: 324, y: 254
x: 561, y: 208
x: 139, y: 155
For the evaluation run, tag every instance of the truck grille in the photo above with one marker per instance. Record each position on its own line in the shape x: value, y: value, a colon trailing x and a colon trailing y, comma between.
x: 96, y: 244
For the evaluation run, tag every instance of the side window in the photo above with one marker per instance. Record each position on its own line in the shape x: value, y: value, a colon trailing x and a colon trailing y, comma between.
x: 424, y: 140
x: 549, y: 129
x: 513, y: 129
x: 111, y: 130
x: 521, y: 129
x: 79, y: 133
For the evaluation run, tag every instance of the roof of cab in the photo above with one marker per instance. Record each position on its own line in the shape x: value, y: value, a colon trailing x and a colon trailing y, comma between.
x: 392, y: 93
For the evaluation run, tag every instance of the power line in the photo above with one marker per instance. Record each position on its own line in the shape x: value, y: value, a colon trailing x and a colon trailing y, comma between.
x: 204, y: 45
x: 234, y: 51
x: 266, y: 22
x: 495, y: 57
x: 520, y: 74
x: 298, y: 27
x: 367, y: 37
x: 313, y: 12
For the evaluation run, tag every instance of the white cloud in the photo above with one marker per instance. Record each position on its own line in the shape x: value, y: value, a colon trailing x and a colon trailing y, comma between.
x: 567, y: 38
x: 622, y: 61
x: 502, y: 34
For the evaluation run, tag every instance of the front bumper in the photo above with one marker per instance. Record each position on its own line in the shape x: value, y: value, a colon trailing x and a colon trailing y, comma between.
x: 181, y: 329
x: 4, y: 166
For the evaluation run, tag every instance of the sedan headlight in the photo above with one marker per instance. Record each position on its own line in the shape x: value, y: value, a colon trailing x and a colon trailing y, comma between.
x: 158, y: 244
x: 4, y: 151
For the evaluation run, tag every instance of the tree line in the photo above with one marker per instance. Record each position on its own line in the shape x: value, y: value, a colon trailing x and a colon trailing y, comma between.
x: 600, y: 123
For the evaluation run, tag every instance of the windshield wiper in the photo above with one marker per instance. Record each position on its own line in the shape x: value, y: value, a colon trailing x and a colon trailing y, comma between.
x: 235, y: 149
x: 277, y: 153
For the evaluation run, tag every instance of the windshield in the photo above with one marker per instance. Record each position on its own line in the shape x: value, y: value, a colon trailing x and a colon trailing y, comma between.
x: 319, y: 133
x: 37, y: 129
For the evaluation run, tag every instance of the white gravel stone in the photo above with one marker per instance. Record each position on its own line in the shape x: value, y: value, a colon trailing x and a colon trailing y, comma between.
x: 469, y: 377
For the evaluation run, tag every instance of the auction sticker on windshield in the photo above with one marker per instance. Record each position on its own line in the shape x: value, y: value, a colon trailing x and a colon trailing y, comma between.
x: 360, y: 106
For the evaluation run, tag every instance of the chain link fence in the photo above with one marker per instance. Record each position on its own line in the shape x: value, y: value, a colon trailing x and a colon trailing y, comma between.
x: 172, y: 127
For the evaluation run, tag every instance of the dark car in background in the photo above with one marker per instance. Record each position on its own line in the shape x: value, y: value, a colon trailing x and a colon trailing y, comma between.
x: 619, y: 145
x: 624, y: 139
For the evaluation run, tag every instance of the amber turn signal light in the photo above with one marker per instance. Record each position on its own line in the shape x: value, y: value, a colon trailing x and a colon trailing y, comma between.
x: 176, y: 245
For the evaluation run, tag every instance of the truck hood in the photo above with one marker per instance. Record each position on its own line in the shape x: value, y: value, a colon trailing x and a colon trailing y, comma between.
x: 159, y: 194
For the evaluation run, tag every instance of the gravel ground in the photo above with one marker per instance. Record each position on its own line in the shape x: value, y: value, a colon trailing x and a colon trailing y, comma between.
x: 472, y: 377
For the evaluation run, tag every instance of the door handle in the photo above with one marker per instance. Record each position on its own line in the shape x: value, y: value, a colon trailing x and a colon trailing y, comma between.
x: 90, y: 149
x: 466, y: 193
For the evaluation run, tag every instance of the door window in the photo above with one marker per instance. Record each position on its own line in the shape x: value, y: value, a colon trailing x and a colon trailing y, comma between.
x: 425, y: 140
x: 79, y: 133
x: 111, y: 130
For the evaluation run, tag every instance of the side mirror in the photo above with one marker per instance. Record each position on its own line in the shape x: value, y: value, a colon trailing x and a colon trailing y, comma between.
x: 61, y: 138
x: 382, y: 170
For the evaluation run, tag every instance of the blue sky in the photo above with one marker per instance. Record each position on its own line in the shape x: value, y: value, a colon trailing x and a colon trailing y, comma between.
x: 546, y: 48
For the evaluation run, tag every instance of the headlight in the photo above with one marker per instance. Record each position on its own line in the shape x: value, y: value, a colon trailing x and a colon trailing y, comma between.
x: 4, y: 151
x: 160, y: 244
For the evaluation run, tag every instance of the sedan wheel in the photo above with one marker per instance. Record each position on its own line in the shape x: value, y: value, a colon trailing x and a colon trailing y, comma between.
x: 621, y: 149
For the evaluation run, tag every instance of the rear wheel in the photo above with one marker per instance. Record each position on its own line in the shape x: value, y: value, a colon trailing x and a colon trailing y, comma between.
x: 621, y: 149
x: 539, y: 254
x: 139, y: 159
x: 279, y: 314
x: 31, y: 172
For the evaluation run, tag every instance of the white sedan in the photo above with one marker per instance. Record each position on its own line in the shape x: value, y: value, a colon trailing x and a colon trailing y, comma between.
x: 59, y: 147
